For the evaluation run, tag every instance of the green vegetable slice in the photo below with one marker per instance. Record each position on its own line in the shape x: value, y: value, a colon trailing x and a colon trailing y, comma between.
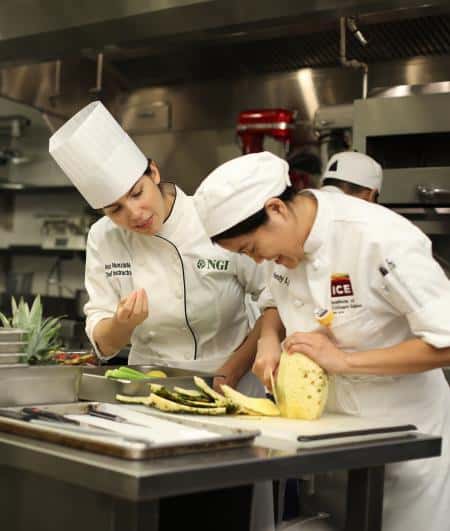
x: 172, y: 407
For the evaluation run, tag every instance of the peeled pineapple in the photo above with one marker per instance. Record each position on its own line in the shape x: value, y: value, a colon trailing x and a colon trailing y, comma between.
x: 301, y: 387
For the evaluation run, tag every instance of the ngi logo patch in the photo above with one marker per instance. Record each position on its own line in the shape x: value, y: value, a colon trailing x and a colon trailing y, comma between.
x: 215, y: 265
x: 341, y: 285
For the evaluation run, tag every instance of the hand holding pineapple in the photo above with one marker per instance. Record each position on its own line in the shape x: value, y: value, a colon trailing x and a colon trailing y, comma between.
x: 132, y: 310
x: 300, y: 380
x: 320, y: 349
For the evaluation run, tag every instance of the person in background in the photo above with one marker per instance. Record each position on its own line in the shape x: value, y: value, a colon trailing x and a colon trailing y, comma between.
x: 355, y: 174
x: 389, y: 300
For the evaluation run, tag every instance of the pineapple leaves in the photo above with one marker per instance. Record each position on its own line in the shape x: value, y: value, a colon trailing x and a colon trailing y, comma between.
x: 42, y: 335
x: 4, y: 320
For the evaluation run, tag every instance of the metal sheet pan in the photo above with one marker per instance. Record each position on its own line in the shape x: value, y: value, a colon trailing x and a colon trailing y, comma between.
x: 38, y: 385
x: 11, y: 334
x: 10, y: 347
x: 96, y: 387
x: 12, y: 359
x: 226, y: 437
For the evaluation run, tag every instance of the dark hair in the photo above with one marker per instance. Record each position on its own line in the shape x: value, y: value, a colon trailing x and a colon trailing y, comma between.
x: 255, y: 220
x: 148, y: 169
x: 350, y: 188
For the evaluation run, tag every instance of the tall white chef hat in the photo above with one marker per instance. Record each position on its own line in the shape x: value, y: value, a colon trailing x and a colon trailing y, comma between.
x: 97, y: 155
x: 238, y: 189
x: 356, y: 168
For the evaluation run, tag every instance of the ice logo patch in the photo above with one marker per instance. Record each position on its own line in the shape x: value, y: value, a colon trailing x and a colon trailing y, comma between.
x: 341, y: 285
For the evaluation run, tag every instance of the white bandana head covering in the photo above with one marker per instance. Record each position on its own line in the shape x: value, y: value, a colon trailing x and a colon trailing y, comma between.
x: 97, y: 155
x: 238, y: 189
x: 356, y: 168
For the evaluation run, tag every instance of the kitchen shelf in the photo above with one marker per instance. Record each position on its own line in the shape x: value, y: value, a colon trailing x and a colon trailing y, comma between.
x: 30, y: 188
x: 36, y: 250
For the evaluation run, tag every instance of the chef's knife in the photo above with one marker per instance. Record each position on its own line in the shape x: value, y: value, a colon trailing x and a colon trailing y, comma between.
x: 38, y: 413
x: 274, y: 390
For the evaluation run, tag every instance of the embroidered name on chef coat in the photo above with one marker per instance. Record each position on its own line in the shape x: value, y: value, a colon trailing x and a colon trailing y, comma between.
x: 213, y: 265
x: 118, y: 269
x: 281, y: 279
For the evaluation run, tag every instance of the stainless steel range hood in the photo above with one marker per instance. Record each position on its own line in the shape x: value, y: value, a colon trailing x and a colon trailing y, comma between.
x: 55, y: 28
x: 50, y: 51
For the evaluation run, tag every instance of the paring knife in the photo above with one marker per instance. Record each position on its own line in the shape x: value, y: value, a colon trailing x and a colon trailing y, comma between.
x: 110, y: 416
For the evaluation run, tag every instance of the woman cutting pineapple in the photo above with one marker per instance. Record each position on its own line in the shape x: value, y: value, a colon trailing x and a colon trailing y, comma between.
x: 357, y: 290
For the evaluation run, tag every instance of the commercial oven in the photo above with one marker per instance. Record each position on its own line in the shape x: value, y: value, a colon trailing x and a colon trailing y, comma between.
x: 410, y: 137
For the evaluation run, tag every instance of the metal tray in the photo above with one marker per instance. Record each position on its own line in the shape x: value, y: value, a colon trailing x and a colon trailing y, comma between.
x: 227, y: 437
x: 10, y: 347
x: 38, y: 385
x: 9, y: 359
x: 11, y: 334
x: 96, y: 387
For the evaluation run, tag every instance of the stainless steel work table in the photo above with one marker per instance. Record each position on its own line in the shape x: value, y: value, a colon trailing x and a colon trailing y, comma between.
x: 51, y: 487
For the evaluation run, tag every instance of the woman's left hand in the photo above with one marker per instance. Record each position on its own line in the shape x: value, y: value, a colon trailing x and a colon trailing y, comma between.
x: 228, y: 376
x: 320, y: 349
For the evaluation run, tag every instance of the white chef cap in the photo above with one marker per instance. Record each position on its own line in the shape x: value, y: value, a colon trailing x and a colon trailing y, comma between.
x: 356, y: 168
x: 97, y: 155
x: 238, y: 189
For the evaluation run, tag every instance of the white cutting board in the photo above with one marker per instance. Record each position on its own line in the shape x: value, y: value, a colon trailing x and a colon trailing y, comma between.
x: 283, y: 433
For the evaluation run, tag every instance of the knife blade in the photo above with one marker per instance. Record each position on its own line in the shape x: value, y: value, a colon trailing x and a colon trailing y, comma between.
x: 274, y: 390
x: 93, y: 412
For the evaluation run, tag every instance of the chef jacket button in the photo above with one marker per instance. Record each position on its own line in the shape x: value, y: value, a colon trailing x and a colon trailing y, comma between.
x: 298, y: 303
x: 184, y: 328
x: 178, y: 294
x: 152, y: 333
x: 316, y: 265
x: 187, y: 356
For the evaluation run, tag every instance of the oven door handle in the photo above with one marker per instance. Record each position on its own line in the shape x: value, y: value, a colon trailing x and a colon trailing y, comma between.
x: 431, y: 193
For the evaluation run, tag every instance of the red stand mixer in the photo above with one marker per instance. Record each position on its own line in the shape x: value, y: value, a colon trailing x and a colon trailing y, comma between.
x: 255, y: 124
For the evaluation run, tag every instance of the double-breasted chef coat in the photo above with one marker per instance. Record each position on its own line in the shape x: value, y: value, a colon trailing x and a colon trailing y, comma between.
x: 196, y: 296
x: 351, y: 244
x: 195, y: 289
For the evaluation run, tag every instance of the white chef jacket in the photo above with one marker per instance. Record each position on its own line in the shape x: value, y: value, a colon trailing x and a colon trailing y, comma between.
x: 195, y: 289
x: 199, y: 297
x: 349, y: 241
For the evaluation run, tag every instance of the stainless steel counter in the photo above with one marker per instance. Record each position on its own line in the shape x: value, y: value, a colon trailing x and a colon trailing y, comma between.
x: 112, y: 495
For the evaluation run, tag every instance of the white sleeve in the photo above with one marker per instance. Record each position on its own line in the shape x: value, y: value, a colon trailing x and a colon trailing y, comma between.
x: 417, y: 287
x: 250, y: 275
x: 266, y: 300
x: 103, y: 298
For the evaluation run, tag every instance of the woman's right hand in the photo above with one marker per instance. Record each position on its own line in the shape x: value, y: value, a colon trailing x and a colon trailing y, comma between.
x: 132, y: 310
x: 267, y: 359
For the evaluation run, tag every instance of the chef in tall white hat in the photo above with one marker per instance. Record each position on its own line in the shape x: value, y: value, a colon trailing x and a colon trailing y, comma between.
x: 389, y: 330
x: 153, y: 277
x: 355, y: 174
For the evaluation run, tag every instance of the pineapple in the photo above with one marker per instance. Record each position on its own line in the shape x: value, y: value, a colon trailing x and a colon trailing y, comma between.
x: 301, y: 387
x: 41, y: 334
